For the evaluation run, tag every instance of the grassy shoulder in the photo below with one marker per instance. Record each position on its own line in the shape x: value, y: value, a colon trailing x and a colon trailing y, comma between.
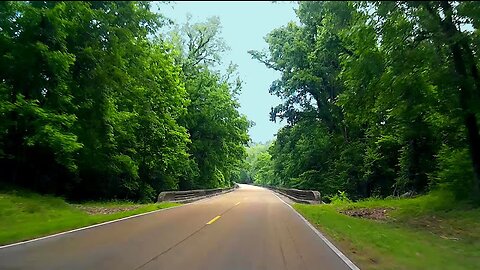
x: 427, y: 232
x: 25, y: 215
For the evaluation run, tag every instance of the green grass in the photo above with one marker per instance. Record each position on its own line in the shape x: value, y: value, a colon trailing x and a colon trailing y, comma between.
x: 25, y: 215
x: 427, y: 232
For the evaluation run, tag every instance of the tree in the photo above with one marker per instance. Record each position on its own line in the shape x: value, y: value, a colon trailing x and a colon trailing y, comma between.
x: 217, y: 130
x: 37, y: 137
x: 446, y: 31
x: 387, y: 85
x: 91, y: 100
x: 259, y: 168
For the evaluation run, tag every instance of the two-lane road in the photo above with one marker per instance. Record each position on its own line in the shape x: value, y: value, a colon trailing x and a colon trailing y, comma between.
x: 249, y: 228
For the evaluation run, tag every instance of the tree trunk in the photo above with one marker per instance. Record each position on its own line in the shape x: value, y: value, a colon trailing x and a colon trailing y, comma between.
x: 466, y: 96
x: 466, y: 83
x: 474, y: 141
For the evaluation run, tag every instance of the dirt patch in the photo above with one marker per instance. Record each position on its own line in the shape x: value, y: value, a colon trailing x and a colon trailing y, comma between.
x: 98, y: 210
x: 370, y: 213
x: 445, y: 228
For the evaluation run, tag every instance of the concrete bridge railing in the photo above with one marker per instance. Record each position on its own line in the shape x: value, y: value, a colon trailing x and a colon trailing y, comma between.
x: 191, y: 195
x: 299, y: 195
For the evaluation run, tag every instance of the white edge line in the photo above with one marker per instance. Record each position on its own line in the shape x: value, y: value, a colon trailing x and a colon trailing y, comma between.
x: 342, y: 256
x: 87, y: 227
x: 101, y: 224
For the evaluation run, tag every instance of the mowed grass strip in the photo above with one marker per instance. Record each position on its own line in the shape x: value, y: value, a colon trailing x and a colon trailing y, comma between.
x: 421, y: 233
x: 26, y: 215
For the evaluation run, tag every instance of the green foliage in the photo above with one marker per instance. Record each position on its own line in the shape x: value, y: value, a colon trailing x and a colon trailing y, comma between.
x: 258, y: 166
x: 340, y: 198
x: 374, y: 94
x: 95, y: 104
x: 218, y: 132
x: 456, y: 172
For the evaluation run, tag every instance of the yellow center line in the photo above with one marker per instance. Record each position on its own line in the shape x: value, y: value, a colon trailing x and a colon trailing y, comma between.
x: 213, y: 220
x: 237, y: 203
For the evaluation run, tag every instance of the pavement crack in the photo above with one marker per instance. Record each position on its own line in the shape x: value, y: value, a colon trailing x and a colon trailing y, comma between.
x: 302, y: 260
x: 281, y: 248
x: 283, y: 256
x: 178, y: 243
x: 170, y: 248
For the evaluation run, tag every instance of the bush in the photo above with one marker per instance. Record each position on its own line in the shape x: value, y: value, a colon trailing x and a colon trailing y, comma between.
x: 455, y: 172
x: 340, y: 198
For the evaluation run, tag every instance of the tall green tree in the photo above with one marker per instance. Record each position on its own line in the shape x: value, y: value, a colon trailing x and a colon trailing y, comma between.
x: 90, y: 102
x: 37, y: 133
x: 217, y: 130
x: 390, y: 86
x: 259, y: 168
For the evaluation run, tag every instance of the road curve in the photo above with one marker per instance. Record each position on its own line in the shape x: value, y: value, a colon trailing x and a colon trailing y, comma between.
x: 249, y: 228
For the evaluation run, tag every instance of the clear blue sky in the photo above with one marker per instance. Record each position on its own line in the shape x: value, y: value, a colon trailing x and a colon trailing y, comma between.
x: 244, y: 26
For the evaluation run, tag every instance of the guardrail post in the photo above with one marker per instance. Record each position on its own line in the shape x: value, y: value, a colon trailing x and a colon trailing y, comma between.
x: 317, y: 196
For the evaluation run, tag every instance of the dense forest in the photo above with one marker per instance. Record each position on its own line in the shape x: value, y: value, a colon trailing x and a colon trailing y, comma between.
x: 98, y: 101
x: 380, y: 99
x: 112, y: 100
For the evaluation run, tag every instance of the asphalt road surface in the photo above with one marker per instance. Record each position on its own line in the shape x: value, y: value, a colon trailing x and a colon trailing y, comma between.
x: 249, y: 228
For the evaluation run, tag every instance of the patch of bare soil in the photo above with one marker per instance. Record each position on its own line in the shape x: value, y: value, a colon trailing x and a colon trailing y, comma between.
x: 370, y: 213
x: 98, y: 210
x: 444, y: 228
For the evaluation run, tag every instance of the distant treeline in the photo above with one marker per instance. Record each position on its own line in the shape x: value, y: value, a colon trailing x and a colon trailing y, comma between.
x: 96, y: 103
x: 380, y: 98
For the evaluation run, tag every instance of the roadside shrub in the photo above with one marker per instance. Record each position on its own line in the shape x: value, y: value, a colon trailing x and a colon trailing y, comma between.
x: 340, y: 198
x: 455, y: 172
